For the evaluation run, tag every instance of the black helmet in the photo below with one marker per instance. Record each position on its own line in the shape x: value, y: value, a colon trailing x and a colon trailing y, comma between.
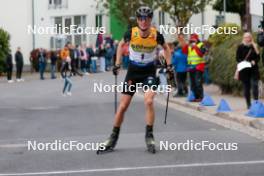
x: 144, y: 11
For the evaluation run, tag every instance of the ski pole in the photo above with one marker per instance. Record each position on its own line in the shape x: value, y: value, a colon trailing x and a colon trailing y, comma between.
x: 167, y: 104
x: 115, y: 93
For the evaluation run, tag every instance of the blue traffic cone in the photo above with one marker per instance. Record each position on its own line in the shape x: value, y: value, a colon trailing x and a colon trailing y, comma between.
x: 191, y: 96
x: 207, y: 101
x: 223, y: 106
x: 256, y: 109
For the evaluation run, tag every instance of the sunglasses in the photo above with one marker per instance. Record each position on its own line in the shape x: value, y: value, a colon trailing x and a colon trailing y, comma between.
x: 142, y: 18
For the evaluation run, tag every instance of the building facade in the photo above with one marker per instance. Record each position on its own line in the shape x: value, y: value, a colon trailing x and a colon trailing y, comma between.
x: 28, y: 23
x: 19, y: 17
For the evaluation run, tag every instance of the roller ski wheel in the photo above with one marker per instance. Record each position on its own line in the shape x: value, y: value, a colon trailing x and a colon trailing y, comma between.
x: 150, y: 143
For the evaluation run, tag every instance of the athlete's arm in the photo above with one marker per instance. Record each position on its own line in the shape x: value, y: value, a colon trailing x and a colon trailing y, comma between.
x: 167, y: 53
x: 119, y: 52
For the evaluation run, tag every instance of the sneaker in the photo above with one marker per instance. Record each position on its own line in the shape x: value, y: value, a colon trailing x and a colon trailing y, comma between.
x: 69, y: 93
x: 18, y: 80
x: 64, y: 94
x: 10, y: 81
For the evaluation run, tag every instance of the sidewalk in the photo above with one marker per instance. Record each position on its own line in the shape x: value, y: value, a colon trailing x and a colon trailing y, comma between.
x: 237, y: 105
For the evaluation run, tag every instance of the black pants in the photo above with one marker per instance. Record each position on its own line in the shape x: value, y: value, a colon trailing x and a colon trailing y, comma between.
x: 9, y: 71
x: 196, y: 79
x: 181, y: 81
x: 247, y: 88
x: 19, y: 70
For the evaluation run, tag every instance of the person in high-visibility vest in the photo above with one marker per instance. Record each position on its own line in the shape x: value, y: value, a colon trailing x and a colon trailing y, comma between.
x: 196, y: 64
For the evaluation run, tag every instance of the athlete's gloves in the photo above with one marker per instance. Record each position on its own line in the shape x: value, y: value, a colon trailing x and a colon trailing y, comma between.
x: 116, y: 69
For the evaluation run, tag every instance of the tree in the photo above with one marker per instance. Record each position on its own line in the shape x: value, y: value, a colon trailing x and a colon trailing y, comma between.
x: 125, y: 10
x: 234, y: 6
x: 181, y: 11
x: 4, y: 48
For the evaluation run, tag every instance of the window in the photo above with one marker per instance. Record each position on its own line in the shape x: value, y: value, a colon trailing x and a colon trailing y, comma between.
x: 161, y: 18
x: 58, y: 41
x: 219, y: 19
x: 58, y: 22
x: 68, y: 23
x: 78, y: 21
x: 98, y: 20
x: 58, y: 4
x: 78, y: 39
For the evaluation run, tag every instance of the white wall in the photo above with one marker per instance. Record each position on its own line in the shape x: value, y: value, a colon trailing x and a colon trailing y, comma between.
x: 256, y: 7
x: 256, y: 11
x: 15, y: 15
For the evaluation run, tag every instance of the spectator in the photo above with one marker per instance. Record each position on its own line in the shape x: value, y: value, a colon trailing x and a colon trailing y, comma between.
x: 90, y: 54
x: 248, y: 52
x: 42, y: 62
x: 196, y: 64
x: 179, y: 61
x: 53, y: 59
x: 115, y: 49
x: 66, y: 73
x: 77, y: 56
x: 83, y: 60
x: 101, y: 56
x: 19, y: 64
x: 108, y: 56
x: 65, y: 53
x: 72, y: 56
x: 9, y: 67
x: 93, y: 60
x: 109, y: 40
x: 125, y: 49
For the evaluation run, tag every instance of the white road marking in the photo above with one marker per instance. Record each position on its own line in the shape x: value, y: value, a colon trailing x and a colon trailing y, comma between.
x: 137, y: 168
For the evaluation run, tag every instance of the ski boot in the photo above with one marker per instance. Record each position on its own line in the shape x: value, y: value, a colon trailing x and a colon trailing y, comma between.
x: 150, y: 142
x: 110, y: 143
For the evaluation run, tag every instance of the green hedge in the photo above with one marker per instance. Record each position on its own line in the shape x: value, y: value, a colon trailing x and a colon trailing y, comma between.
x: 223, y: 64
x: 4, y: 48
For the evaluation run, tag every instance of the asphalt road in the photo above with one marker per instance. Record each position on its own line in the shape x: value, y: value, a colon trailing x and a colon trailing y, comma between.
x: 35, y: 110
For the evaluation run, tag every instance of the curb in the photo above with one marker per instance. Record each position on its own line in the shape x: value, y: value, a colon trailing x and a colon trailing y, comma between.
x: 257, y: 124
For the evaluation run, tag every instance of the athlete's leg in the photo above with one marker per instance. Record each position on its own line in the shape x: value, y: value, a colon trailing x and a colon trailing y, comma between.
x: 111, y: 142
x: 123, y: 105
x: 150, y: 118
x: 149, y: 105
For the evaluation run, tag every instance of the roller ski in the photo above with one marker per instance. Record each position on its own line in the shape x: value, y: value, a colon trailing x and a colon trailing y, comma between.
x: 110, y: 143
x: 149, y: 139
